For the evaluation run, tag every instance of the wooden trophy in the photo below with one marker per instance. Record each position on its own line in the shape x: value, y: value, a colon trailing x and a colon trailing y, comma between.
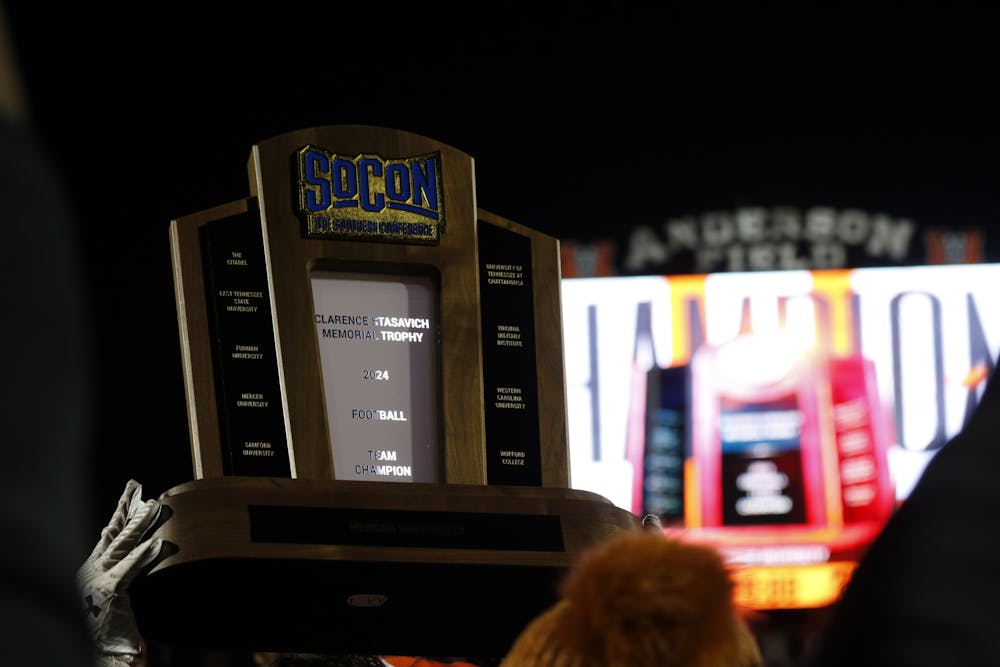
x: 375, y: 391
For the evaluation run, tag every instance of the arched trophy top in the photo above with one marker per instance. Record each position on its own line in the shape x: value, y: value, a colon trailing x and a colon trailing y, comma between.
x: 357, y: 138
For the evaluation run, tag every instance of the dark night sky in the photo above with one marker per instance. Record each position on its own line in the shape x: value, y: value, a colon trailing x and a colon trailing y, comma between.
x: 578, y: 125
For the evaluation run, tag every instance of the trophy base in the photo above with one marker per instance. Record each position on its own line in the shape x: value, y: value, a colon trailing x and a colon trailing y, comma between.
x: 317, y: 566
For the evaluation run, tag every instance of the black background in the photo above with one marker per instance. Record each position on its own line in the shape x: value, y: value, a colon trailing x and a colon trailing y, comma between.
x: 580, y: 121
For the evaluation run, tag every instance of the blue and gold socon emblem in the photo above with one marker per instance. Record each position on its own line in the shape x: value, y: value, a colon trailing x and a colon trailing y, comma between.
x: 367, y: 197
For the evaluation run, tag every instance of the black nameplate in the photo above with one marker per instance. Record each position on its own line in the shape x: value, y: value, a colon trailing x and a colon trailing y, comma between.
x: 401, y: 528
x: 251, y: 422
x: 510, y: 373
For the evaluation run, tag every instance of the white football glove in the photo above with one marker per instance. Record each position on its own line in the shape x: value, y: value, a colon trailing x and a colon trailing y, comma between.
x: 122, y: 553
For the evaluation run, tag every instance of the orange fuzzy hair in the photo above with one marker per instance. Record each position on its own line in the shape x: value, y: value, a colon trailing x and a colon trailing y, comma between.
x: 641, y: 599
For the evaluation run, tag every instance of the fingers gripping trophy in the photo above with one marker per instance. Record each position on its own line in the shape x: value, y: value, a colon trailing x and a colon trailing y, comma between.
x: 120, y: 555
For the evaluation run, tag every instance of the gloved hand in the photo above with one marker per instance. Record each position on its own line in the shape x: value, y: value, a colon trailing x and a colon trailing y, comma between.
x: 122, y: 553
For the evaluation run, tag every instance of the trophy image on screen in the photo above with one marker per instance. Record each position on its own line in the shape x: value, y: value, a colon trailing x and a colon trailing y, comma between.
x: 377, y: 410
